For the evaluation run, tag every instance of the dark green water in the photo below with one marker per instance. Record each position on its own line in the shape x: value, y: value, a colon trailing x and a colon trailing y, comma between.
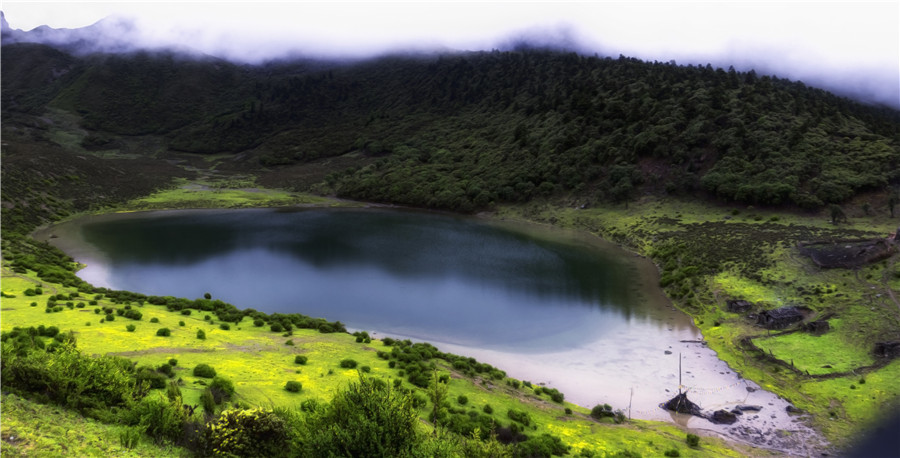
x: 435, y: 277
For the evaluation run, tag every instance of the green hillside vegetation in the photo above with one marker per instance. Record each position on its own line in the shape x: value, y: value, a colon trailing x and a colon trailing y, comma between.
x: 468, y: 130
x: 249, y: 367
x: 714, y: 174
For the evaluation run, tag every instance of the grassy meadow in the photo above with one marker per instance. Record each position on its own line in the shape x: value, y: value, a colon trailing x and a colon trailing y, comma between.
x: 261, y: 362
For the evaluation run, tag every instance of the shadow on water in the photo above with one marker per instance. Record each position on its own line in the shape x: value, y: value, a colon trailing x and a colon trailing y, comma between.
x: 408, y: 246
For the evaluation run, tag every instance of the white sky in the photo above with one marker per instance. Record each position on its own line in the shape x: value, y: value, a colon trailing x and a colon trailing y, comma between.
x: 851, y: 43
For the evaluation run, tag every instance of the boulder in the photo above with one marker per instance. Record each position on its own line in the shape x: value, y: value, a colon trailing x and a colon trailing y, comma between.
x: 722, y: 416
x: 817, y: 328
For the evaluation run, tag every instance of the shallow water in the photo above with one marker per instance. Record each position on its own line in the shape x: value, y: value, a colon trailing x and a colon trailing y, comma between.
x: 553, y: 307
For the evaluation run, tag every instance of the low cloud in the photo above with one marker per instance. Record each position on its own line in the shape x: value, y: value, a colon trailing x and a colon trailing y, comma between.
x: 849, y: 48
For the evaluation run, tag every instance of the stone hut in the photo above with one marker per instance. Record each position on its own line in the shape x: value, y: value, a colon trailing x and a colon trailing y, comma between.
x: 779, y: 318
x: 739, y: 306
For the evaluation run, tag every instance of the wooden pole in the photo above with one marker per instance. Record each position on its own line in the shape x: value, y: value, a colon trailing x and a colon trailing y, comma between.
x: 630, y: 397
x: 679, y: 373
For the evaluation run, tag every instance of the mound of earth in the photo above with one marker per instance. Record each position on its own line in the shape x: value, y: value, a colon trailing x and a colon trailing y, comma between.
x: 847, y: 253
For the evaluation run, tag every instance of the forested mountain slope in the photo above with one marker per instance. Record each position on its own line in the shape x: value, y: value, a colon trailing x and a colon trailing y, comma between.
x: 462, y: 131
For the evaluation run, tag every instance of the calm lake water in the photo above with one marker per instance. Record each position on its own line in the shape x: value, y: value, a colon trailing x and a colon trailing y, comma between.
x: 548, y: 306
x: 424, y: 275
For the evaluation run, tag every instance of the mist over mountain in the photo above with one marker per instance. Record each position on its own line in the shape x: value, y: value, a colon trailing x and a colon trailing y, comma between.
x: 464, y: 131
x: 861, y: 79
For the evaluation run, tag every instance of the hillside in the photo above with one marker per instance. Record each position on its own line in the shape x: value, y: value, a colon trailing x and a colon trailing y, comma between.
x: 716, y: 175
x: 511, y: 126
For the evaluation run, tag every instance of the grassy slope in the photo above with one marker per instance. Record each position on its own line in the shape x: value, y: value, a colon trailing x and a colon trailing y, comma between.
x: 841, y: 407
x: 259, y: 362
x: 36, y: 430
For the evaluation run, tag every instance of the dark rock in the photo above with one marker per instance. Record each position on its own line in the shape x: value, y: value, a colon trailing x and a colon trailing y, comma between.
x: 667, y: 352
x: 751, y: 389
x: 681, y: 404
x: 791, y: 409
x: 723, y: 417
x: 748, y: 408
x: 887, y: 349
x: 817, y: 327
x: 736, y: 412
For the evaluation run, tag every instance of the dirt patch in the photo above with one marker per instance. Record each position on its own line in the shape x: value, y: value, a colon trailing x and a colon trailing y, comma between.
x: 153, y: 351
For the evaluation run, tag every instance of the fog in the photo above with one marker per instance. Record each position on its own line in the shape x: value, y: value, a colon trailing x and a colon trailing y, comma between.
x: 852, y: 48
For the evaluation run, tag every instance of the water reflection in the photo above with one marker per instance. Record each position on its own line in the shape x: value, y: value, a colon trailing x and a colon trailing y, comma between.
x: 453, y: 279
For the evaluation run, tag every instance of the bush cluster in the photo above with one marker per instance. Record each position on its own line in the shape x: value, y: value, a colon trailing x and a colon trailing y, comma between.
x: 204, y: 370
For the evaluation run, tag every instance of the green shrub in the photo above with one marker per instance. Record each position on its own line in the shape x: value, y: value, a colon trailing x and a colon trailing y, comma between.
x: 159, y: 417
x: 368, y: 418
x: 204, y: 370
x: 365, y: 369
x: 166, y: 370
x: 276, y: 327
x: 543, y: 445
x: 462, y: 400
x: 348, y: 363
x: 154, y: 320
x: 293, y: 386
x: 163, y: 332
x: 186, y: 312
x: 201, y: 334
x: 488, y: 409
x: 130, y: 328
x: 224, y: 326
x: 601, y: 411
x: 129, y: 437
x: 221, y: 388
x: 693, y: 440
x: 672, y: 452
x: 258, y: 323
x: 173, y: 362
x: 110, y: 317
x: 153, y: 378
x: 208, y: 402
x: 519, y: 416
x: 246, y: 433
x: 289, y: 343
x: 300, y: 359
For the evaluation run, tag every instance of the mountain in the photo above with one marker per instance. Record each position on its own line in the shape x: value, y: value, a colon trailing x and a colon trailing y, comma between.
x: 461, y: 131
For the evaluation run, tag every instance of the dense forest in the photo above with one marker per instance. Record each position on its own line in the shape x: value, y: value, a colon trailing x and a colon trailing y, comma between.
x: 462, y: 131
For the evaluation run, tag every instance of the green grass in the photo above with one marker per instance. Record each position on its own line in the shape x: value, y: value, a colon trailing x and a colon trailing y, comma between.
x: 209, y: 195
x: 259, y: 363
x: 36, y: 430
x: 811, y: 353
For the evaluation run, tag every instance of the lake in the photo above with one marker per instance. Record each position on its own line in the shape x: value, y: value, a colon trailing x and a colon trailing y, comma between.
x: 559, y: 308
